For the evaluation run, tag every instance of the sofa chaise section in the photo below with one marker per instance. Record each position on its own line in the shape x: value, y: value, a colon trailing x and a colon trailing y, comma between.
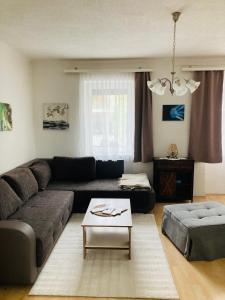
x: 89, y: 178
x: 142, y: 200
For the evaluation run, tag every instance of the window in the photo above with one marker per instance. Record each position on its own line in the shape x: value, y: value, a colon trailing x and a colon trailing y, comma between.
x: 107, y: 115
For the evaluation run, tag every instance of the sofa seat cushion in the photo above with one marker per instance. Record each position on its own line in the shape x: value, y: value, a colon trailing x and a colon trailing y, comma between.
x: 9, y: 201
x: 22, y: 182
x: 95, y: 185
x: 142, y: 200
x: 47, y: 213
x: 73, y: 169
x: 42, y: 173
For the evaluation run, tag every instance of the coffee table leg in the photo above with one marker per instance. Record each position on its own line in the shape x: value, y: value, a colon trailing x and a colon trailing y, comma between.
x: 129, y: 232
x: 84, y: 242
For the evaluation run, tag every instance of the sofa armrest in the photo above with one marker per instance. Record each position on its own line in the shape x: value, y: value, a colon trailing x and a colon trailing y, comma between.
x: 17, y: 253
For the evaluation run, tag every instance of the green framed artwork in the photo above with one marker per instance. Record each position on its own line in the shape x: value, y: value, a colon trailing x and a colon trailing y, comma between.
x: 5, y: 117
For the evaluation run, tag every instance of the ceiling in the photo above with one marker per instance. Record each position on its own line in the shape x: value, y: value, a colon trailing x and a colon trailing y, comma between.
x: 93, y: 29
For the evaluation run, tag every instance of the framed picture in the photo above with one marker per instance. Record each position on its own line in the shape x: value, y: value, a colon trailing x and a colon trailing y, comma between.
x: 5, y: 117
x: 55, y: 116
x: 173, y: 112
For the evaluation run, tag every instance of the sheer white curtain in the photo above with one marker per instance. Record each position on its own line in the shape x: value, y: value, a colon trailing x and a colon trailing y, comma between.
x: 107, y: 115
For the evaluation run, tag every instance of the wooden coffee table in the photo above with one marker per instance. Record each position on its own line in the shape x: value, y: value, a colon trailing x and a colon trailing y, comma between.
x: 107, y: 232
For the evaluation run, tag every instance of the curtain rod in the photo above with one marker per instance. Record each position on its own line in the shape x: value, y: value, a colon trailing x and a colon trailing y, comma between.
x: 77, y: 70
x: 203, y: 68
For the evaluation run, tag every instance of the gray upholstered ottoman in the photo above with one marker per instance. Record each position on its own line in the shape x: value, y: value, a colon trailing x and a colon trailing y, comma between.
x: 197, y: 230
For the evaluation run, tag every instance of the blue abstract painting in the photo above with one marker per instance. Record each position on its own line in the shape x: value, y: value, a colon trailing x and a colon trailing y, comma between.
x: 173, y: 112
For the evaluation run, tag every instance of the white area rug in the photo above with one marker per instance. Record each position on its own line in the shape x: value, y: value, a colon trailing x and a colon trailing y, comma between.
x: 108, y: 273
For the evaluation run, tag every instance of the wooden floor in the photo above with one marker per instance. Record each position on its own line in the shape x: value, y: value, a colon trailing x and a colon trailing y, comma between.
x: 194, y: 281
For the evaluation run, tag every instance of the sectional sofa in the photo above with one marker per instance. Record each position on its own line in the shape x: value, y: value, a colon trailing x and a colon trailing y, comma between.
x: 37, y: 199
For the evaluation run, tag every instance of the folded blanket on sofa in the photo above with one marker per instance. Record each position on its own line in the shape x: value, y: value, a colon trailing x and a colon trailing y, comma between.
x: 134, y: 181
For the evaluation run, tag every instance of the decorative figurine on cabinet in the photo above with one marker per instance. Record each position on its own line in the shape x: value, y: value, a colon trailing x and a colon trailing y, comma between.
x: 172, y: 151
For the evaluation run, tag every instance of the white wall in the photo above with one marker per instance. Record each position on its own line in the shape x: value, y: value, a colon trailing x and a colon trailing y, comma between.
x: 52, y: 85
x: 16, y: 146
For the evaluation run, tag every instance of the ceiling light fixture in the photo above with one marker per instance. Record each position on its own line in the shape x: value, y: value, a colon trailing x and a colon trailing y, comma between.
x: 177, y: 86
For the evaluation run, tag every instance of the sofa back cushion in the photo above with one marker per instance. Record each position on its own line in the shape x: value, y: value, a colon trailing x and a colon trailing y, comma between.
x: 73, y: 169
x: 42, y: 173
x: 109, y: 169
x: 22, y: 181
x: 9, y: 201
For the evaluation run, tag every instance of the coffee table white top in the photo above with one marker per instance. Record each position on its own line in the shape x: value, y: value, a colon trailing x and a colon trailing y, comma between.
x: 123, y: 220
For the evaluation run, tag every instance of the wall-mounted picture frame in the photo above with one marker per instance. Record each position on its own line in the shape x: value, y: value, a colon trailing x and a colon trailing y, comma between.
x: 55, y: 116
x: 5, y: 117
x: 173, y: 112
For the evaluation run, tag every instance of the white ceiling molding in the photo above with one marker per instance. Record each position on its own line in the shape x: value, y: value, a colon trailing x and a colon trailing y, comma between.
x: 77, y: 70
x: 202, y: 68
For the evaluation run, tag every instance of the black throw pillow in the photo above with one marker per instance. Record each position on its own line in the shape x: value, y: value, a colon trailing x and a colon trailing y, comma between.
x: 109, y: 169
x: 73, y: 169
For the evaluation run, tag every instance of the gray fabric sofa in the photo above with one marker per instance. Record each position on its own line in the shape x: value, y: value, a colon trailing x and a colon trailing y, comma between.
x: 36, y: 201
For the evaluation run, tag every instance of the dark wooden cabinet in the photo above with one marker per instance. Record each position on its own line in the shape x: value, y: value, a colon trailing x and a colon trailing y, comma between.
x: 173, y: 179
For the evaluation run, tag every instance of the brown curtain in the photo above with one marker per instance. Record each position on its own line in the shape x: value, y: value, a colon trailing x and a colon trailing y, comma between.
x: 205, y: 142
x: 143, y: 141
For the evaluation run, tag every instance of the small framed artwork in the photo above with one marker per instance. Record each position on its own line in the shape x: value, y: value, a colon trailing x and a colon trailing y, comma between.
x: 173, y: 112
x: 55, y: 116
x: 5, y: 117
